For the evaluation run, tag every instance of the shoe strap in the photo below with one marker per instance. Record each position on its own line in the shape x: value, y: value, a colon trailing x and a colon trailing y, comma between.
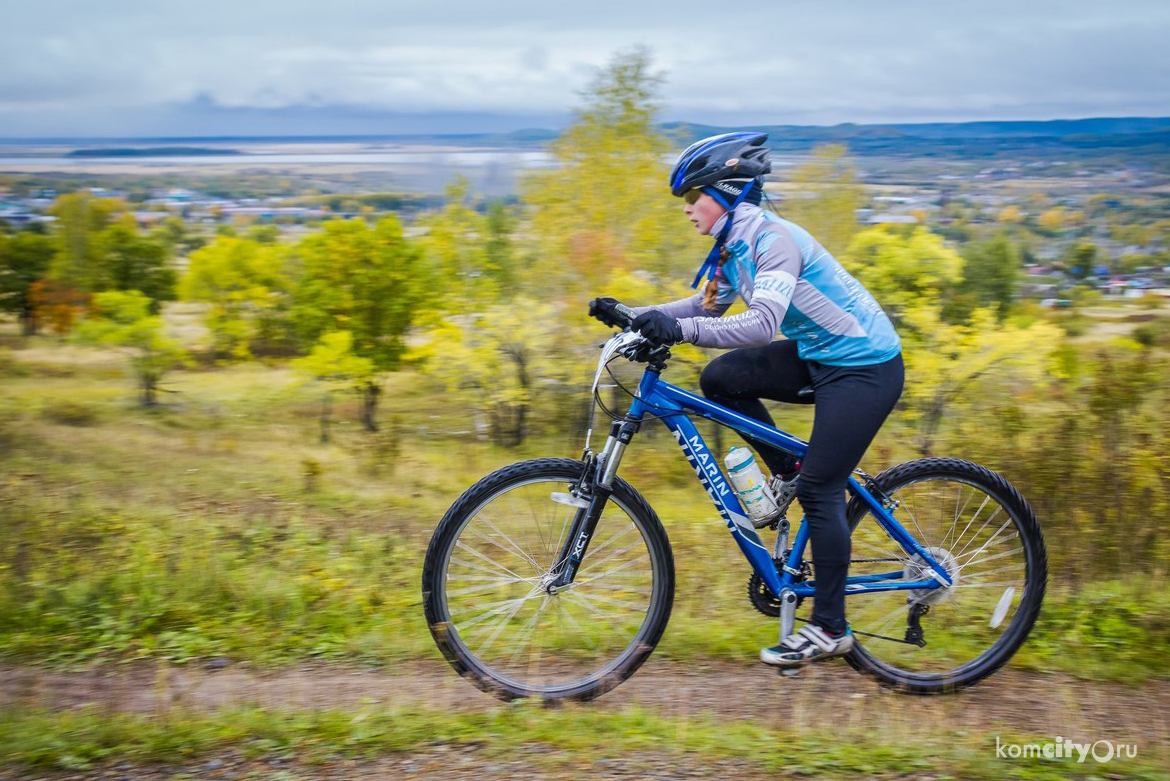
x: 809, y: 634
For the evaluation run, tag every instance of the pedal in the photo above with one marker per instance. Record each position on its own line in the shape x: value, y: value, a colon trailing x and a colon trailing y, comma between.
x: 789, y: 672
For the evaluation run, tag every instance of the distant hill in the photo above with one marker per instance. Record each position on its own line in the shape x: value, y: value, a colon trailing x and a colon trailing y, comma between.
x: 961, y: 139
x: 1098, y: 136
x: 1045, y: 128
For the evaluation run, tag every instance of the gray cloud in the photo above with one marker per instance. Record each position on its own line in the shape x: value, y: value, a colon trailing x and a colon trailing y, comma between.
x: 67, y: 65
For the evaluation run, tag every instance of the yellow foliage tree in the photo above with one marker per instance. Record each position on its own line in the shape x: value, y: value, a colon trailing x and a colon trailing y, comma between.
x: 1011, y: 214
x: 901, y: 269
x: 606, y: 207
x: 495, y: 359
x: 1053, y: 219
x: 829, y: 197
x: 243, y: 283
x: 468, y: 250
x: 913, y: 276
x: 945, y: 361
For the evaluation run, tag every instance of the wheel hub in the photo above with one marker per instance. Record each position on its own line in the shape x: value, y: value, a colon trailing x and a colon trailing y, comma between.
x: 917, y: 569
x: 548, y: 583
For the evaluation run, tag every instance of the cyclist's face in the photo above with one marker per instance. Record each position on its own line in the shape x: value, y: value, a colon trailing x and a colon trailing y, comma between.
x: 703, y: 213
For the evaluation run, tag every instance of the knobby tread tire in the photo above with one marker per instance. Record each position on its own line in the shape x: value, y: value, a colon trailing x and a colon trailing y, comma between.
x: 1036, y: 558
x: 445, y: 536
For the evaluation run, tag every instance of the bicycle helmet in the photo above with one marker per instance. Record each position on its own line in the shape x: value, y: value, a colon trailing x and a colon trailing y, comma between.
x: 740, y: 155
x: 739, y: 160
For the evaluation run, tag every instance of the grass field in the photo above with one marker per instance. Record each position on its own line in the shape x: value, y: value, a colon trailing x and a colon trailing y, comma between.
x: 219, y: 525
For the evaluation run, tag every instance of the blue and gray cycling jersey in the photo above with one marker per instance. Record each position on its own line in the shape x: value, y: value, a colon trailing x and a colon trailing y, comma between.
x: 791, y: 284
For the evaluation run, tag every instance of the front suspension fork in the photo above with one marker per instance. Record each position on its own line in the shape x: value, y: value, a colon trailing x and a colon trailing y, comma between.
x: 595, y: 487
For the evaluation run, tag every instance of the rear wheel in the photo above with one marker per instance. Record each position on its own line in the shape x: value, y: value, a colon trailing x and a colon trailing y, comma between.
x: 983, y: 532
x: 486, y: 577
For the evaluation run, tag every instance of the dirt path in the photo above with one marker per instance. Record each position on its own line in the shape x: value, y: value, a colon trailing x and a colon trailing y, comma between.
x: 823, y: 697
x: 1011, y: 699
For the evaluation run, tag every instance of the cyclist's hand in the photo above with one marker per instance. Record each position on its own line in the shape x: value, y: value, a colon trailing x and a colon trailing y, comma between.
x: 605, y: 310
x: 658, y: 328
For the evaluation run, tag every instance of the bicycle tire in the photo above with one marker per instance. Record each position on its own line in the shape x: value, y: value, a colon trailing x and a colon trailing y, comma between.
x: 1035, y: 579
x: 443, y: 542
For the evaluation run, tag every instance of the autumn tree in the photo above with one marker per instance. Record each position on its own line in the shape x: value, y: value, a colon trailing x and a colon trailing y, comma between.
x: 946, y: 362
x: 901, y: 268
x: 826, y: 197
x: 243, y: 283
x: 333, y: 362
x: 81, y: 218
x: 24, y: 260
x: 494, y: 359
x: 1010, y: 215
x: 364, y: 280
x: 990, y: 271
x: 913, y: 276
x: 606, y: 206
x: 122, y: 319
x: 1054, y: 219
x: 131, y: 261
x: 469, y: 254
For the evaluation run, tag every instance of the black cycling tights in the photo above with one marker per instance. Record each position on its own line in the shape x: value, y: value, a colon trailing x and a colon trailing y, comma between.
x: 851, y: 404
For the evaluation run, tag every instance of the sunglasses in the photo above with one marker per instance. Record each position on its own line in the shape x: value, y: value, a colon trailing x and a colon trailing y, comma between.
x: 691, y: 196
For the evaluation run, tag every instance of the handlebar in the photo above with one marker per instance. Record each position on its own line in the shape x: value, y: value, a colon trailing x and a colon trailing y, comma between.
x: 626, y: 313
x: 630, y: 344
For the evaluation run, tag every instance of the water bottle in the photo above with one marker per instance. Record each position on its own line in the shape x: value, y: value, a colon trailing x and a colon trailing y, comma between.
x: 750, y: 486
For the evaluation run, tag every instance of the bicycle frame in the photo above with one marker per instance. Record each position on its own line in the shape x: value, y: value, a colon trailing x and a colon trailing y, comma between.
x: 672, y: 405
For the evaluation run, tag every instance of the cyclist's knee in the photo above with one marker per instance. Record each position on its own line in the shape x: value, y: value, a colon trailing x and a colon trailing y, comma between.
x: 816, y: 486
x: 713, y: 380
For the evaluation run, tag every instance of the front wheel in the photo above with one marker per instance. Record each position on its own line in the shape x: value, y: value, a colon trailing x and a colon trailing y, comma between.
x: 487, y: 572
x: 981, y: 530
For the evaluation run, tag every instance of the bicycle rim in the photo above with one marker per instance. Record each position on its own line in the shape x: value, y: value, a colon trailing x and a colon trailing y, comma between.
x: 499, y: 612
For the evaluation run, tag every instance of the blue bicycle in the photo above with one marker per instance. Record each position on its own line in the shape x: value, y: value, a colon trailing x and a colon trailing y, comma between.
x: 554, y: 578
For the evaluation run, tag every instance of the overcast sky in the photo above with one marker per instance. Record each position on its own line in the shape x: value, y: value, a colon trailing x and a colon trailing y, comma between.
x: 164, y: 67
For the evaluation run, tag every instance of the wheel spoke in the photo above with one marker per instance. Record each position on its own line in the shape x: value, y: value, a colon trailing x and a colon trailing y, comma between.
x: 971, y: 520
x: 984, y: 545
x: 618, y: 568
x: 491, y: 561
x: 968, y: 562
x: 581, y: 633
x: 494, y: 589
x: 989, y: 542
x: 503, y: 623
x: 514, y: 549
x: 975, y: 536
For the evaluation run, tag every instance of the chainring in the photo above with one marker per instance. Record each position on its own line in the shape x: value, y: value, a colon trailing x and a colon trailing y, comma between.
x: 761, y: 596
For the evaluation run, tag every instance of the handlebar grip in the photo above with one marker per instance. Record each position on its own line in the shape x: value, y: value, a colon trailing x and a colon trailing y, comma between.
x: 625, y: 312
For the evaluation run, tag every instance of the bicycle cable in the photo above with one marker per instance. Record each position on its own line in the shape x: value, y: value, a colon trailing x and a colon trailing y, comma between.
x: 618, y: 383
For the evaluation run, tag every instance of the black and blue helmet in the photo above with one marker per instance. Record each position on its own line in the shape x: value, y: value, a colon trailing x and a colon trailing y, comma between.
x: 741, y: 155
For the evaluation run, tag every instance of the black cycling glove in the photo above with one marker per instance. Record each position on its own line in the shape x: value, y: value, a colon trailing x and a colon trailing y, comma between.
x: 605, y: 310
x: 658, y: 328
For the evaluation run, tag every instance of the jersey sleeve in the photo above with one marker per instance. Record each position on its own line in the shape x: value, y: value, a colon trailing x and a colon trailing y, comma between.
x: 778, y: 265
x: 692, y: 306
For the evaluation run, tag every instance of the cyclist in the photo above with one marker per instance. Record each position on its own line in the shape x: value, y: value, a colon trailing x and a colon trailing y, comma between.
x: 840, y: 343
